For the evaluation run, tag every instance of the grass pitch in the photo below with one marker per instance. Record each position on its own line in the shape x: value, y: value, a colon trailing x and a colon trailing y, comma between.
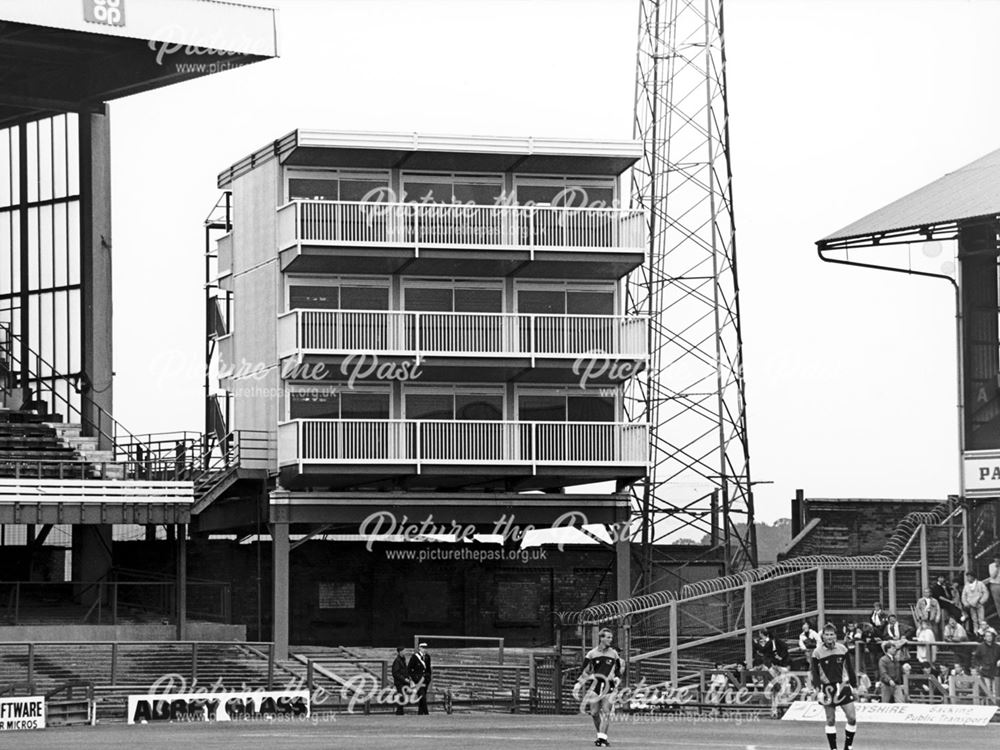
x: 440, y: 731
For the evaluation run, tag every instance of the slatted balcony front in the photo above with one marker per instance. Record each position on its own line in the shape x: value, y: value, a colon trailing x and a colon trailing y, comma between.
x: 442, y: 453
x: 319, y: 236
x: 600, y: 349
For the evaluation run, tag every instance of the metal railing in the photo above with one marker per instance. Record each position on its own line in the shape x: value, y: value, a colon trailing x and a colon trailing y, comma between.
x: 140, y: 664
x: 444, y: 225
x: 508, y: 687
x: 471, y: 442
x: 469, y: 334
x: 43, y: 377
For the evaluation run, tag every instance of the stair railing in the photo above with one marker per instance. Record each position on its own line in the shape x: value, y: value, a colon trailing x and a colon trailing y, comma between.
x: 106, y: 426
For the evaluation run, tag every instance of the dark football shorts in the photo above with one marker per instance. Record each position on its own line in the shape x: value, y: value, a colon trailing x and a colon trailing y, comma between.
x: 836, y: 695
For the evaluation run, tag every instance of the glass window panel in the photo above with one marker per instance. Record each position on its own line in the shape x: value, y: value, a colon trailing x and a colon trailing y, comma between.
x: 33, y: 248
x: 73, y: 210
x: 364, y: 298
x: 32, y: 165
x: 478, y: 300
x: 478, y: 193
x: 44, y: 156
x: 549, y: 302
x: 591, y: 409
x: 59, y: 161
x: 313, y: 189
x: 45, y: 271
x: 541, y: 408
x: 6, y: 248
x: 356, y: 190
x: 8, y: 141
x: 313, y: 297
x: 74, y: 338
x: 60, y: 358
x: 73, y: 154
x: 314, y: 404
x: 429, y: 406
x: 428, y: 299
x: 600, y: 197
x: 538, y: 194
x: 364, y: 405
x: 59, y: 245
x: 417, y: 191
x: 479, y: 407
x: 590, y: 303
x: 15, y: 256
x: 45, y: 332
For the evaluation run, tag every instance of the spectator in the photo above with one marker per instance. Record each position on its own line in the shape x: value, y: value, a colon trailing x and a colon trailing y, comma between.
x: 400, y: 679
x: 738, y: 674
x: 956, y: 599
x: 941, y: 590
x: 974, y: 597
x: 928, y: 609
x: 929, y: 686
x: 994, y: 582
x: 985, y: 661
x: 954, y: 632
x: 717, y: 686
x: 864, y: 688
x: 871, y: 647
x: 852, y: 634
x: 890, y: 676
x: 773, y: 652
x: 892, y: 629
x: 944, y: 672
x: 979, y: 633
x: 878, y: 619
x: 925, y: 634
x: 808, y: 640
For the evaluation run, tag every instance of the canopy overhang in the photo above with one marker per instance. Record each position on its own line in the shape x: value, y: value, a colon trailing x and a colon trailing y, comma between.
x: 74, y: 55
x: 968, y: 195
x: 419, y: 151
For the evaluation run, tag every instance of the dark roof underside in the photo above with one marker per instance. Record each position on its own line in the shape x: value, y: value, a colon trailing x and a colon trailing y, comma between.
x: 45, y: 70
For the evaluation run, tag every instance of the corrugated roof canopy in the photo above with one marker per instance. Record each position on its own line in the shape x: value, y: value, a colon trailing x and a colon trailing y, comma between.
x: 970, y: 192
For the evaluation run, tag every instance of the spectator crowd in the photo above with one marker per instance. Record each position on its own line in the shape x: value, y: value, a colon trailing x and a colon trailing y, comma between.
x: 945, y: 648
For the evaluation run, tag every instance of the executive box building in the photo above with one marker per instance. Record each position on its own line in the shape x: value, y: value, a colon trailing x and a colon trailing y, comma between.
x: 425, y: 325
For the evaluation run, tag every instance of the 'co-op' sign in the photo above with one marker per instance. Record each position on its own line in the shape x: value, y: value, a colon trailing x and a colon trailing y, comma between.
x: 107, y: 12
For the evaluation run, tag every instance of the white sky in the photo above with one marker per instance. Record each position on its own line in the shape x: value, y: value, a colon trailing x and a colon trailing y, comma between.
x: 837, y: 107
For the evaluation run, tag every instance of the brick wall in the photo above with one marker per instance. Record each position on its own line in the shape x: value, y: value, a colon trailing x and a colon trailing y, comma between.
x: 853, y: 527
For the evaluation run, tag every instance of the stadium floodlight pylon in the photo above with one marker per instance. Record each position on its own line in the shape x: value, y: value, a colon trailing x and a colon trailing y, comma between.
x: 693, y: 394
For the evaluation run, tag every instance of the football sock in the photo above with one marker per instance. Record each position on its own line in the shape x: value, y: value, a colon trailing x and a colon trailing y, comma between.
x: 849, y: 736
x: 831, y: 737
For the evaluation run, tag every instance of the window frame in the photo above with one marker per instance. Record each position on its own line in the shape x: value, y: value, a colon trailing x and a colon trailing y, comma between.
x: 316, y: 173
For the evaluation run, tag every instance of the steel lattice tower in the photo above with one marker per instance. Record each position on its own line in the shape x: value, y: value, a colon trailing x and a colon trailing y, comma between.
x: 693, y: 393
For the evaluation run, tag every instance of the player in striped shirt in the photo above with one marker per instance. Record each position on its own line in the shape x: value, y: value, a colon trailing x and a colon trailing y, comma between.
x: 602, y: 671
x: 834, y: 681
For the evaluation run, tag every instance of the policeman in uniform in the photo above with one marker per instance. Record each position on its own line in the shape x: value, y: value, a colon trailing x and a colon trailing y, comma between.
x: 420, y: 675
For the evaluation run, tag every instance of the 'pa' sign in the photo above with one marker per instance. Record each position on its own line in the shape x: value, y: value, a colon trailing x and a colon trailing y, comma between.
x: 981, y: 470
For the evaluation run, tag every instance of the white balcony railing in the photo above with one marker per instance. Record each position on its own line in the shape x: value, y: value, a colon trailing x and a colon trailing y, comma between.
x: 471, y: 334
x: 442, y: 225
x: 395, y: 441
